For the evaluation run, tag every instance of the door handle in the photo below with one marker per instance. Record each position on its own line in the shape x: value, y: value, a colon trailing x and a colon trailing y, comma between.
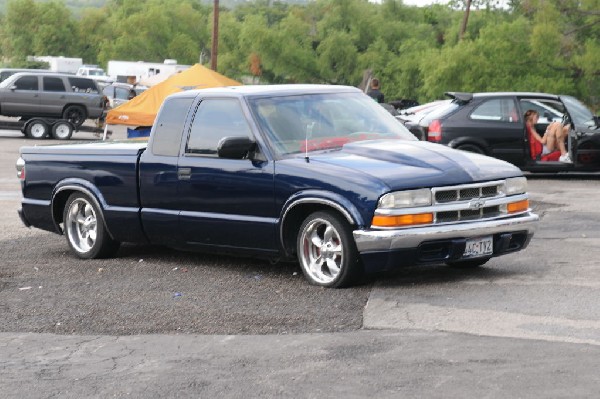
x: 184, y: 173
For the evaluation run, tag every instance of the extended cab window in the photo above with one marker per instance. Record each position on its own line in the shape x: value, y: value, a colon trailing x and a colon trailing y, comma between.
x: 498, y: 109
x: 53, y: 84
x: 166, y: 138
x: 27, y: 83
x: 83, y: 85
x: 215, y: 119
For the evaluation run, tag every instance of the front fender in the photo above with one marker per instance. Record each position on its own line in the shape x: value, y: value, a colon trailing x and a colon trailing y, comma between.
x: 302, y: 203
x: 322, y: 197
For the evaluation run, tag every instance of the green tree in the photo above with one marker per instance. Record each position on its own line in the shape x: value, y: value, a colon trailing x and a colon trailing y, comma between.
x: 19, y: 29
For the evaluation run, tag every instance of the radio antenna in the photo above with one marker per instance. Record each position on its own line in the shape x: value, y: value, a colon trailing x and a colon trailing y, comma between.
x: 306, y: 146
x: 306, y: 158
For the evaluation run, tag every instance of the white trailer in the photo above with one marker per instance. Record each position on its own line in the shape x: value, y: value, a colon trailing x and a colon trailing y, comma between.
x: 59, y: 64
x: 134, y: 71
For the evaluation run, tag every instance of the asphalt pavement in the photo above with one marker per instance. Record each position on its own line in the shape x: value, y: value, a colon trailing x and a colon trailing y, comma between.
x: 155, y: 323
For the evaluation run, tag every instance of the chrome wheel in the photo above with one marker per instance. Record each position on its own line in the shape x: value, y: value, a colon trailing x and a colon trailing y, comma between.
x: 85, y: 230
x: 81, y: 225
x: 322, y: 255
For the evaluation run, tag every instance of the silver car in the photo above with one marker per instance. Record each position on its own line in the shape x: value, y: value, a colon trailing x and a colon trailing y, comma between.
x: 53, y: 95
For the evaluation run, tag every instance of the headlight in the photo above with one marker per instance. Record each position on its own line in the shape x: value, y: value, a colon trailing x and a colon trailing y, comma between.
x: 515, y: 185
x: 405, y: 199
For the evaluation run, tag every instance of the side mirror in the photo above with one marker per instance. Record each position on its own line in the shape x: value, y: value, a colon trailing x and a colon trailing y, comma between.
x: 235, y: 147
x: 597, y: 120
x: 13, y: 88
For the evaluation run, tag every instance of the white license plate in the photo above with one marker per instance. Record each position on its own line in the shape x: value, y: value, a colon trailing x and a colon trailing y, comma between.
x: 480, y: 246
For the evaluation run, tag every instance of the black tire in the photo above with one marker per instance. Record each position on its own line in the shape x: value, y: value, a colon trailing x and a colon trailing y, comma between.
x: 37, y: 129
x: 327, y: 252
x: 468, y: 264
x: 75, y: 114
x: 85, y: 230
x: 62, y: 130
x: 471, y: 148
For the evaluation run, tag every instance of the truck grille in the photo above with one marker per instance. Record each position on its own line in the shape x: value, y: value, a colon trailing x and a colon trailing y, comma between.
x: 467, y: 214
x: 445, y: 195
x: 469, y: 202
x: 465, y: 203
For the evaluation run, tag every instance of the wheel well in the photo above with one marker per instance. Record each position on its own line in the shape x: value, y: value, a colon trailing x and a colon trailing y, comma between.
x: 58, y: 205
x: 293, y: 220
x: 76, y: 105
x: 471, y: 144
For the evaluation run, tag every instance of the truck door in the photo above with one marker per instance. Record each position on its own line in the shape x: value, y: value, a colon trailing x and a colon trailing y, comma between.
x: 224, y: 202
x: 498, y: 122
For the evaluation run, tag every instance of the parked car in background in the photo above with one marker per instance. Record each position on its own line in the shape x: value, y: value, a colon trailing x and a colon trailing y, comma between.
x: 120, y: 93
x: 94, y: 72
x: 493, y: 124
x: 403, y: 103
x: 411, y: 117
x: 64, y: 96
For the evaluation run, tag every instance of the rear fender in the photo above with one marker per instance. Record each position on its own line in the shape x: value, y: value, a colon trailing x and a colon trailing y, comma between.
x: 65, y: 188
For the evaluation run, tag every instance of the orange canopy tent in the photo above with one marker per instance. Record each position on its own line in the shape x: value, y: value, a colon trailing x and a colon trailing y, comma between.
x: 142, y: 109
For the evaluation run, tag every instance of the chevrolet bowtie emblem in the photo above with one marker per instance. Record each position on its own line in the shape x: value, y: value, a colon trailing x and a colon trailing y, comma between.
x: 476, y: 204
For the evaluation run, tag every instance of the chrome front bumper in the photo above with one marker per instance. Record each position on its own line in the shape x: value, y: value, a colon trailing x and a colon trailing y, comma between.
x: 388, y: 240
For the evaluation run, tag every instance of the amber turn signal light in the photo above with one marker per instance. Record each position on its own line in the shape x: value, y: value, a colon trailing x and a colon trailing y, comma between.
x: 402, y: 220
x: 518, y: 206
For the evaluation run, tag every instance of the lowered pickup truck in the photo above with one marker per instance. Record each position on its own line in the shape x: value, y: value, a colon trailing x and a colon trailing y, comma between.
x: 321, y: 174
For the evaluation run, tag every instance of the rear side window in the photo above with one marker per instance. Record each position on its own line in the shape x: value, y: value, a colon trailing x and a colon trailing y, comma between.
x: 166, y: 138
x: 27, y: 83
x: 53, y: 84
x: 497, y: 109
x: 83, y: 85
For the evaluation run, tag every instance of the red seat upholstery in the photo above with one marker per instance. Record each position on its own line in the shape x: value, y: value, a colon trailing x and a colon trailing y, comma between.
x: 535, y: 149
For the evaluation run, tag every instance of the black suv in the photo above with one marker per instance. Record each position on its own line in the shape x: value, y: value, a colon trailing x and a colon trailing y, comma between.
x: 493, y: 124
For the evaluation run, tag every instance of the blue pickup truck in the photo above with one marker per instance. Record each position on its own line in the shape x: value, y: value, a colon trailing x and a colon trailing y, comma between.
x: 314, y: 173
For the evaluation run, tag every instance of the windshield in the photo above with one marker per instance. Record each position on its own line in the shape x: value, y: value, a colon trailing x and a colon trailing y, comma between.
x: 313, y: 122
x: 96, y: 72
x: 579, y: 113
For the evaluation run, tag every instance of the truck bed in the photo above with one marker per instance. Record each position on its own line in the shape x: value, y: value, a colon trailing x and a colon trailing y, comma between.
x: 108, y: 170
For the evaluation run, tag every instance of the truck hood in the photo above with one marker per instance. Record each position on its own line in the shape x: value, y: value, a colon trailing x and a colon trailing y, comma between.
x: 413, y: 164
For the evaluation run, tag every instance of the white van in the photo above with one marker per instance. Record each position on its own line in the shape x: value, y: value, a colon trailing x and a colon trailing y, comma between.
x: 94, y: 72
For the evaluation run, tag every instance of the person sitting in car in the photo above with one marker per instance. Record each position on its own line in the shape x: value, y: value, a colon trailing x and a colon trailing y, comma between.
x: 553, y: 139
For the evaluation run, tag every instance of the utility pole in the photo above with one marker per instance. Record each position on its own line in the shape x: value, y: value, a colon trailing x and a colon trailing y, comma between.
x: 215, y: 37
x: 463, y: 27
